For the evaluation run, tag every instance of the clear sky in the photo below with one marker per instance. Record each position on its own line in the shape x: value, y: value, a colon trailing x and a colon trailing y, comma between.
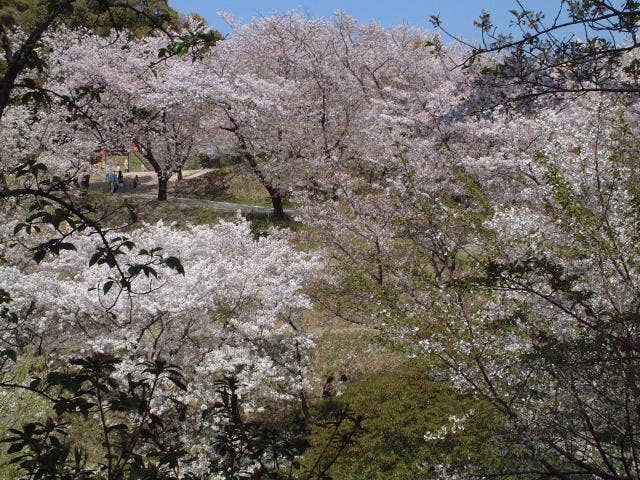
x: 457, y: 15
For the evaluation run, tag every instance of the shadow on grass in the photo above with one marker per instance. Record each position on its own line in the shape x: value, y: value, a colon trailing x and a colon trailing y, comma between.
x: 262, y: 222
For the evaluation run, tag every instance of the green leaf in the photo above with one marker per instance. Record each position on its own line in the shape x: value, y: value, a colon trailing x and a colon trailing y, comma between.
x: 94, y: 258
x: 39, y: 255
x: 178, y: 383
x: 16, y: 447
x: 149, y: 271
x: 9, y: 354
x: 29, y: 83
x: 174, y: 264
x: 4, y: 296
x: 107, y: 286
x: 66, y: 246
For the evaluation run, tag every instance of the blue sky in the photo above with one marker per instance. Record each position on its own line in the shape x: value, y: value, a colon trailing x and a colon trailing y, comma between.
x: 457, y: 15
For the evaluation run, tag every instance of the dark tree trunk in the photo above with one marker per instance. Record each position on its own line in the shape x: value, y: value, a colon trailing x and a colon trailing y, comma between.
x: 276, y: 201
x: 18, y: 60
x: 179, y: 173
x: 162, y: 187
x: 163, y: 179
x: 274, y: 193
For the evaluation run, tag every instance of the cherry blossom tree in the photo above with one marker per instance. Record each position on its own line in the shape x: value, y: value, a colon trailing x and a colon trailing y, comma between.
x: 500, y: 243
x: 349, y: 114
x: 234, y: 311
x: 488, y: 240
x: 542, y: 331
x: 125, y: 301
x: 496, y: 242
x: 141, y: 100
x: 21, y: 56
x: 166, y: 311
x: 45, y: 137
x: 296, y: 97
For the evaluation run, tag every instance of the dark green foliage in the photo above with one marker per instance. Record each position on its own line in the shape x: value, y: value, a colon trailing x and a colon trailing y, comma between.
x: 45, y: 451
x: 218, y: 161
x: 271, y: 443
x: 138, y: 446
x: 194, y: 43
x: 91, y: 14
x: 399, y: 408
x: 276, y: 442
x: 211, y: 185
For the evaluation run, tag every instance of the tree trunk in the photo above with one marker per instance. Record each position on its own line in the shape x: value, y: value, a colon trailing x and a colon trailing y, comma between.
x: 274, y: 193
x: 16, y: 62
x: 162, y: 187
x: 163, y: 178
x: 179, y: 173
x: 276, y: 201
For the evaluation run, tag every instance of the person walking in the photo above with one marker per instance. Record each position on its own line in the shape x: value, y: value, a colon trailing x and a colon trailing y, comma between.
x: 111, y: 180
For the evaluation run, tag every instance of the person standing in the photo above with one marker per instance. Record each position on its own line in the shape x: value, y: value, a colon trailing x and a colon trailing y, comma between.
x: 84, y: 183
x: 113, y: 181
x: 120, y: 178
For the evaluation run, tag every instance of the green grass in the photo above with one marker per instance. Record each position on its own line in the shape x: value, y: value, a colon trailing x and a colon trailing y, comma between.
x: 180, y: 213
x: 192, y: 164
x: 18, y: 406
x: 232, y: 198
x: 400, y: 405
x: 136, y: 163
x: 262, y: 222
x: 151, y: 211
